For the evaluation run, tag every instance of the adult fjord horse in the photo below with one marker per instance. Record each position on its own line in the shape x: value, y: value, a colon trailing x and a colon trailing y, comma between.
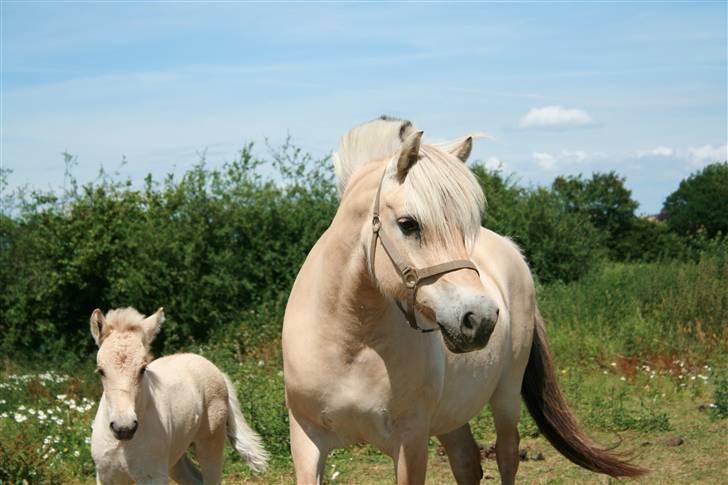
x: 406, y: 246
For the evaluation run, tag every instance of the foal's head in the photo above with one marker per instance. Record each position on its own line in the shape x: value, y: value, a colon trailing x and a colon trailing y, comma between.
x: 430, y: 210
x: 123, y: 337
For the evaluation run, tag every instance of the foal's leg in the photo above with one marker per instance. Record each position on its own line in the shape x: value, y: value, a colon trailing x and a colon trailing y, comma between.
x: 210, y: 454
x: 463, y: 455
x: 185, y: 472
x: 506, y: 407
x: 309, y: 450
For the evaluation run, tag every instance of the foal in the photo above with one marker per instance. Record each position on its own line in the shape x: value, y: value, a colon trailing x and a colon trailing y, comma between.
x: 152, y: 411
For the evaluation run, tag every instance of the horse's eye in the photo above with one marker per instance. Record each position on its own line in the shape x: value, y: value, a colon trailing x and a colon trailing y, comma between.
x: 408, y: 226
x: 142, y: 370
x: 100, y: 371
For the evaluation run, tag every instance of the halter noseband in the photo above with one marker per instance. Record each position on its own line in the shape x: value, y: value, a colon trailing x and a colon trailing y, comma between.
x: 411, y: 276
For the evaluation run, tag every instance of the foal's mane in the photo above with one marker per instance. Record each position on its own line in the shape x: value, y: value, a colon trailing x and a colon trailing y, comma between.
x: 440, y: 191
x: 124, y: 320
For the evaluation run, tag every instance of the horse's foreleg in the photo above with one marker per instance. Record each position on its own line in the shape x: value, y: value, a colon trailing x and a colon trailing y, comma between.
x: 463, y: 455
x: 506, y: 407
x: 185, y: 472
x: 411, y: 458
x: 309, y: 451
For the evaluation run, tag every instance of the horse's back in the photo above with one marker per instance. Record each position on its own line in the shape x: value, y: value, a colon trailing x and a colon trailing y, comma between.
x: 193, y: 375
x: 190, y: 392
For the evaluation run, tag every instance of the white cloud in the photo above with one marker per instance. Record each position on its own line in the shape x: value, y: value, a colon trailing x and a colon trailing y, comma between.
x: 494, y: 163
x: 544, y: 160
x: 707, y: 154
x: 660, y: 151
x: 566, y: 158
x: 555, y: 117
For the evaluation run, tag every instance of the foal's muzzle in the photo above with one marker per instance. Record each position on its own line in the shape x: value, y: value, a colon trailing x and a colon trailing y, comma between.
x: 123, y: 432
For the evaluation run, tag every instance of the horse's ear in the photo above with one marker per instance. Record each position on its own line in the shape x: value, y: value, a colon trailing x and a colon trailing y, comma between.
x: 462, y: 150
x: 462, y: 147
x: 97, y: 323
x: 409, y: 153
x: 151, y: 325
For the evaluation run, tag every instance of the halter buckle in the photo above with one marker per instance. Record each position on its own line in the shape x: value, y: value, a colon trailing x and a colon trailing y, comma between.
x: 409, y: 275
x: 376, y: 224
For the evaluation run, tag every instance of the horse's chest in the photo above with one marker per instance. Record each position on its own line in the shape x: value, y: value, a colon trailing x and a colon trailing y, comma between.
x: 373, y: 396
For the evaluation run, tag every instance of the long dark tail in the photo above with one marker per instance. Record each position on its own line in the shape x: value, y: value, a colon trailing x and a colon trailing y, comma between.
x: 549, y: 409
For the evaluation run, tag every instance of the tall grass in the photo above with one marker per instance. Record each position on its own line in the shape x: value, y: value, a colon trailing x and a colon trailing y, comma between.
x: 671, y: 308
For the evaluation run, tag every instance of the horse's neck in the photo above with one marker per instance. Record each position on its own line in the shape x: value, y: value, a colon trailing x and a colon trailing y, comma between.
x: 358, y: 307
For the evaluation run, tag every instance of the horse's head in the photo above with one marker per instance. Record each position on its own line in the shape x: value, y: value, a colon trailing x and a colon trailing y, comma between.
x: 123, y: 337
x: 419, y: 240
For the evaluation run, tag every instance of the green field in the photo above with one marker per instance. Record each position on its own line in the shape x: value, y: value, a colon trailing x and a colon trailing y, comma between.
x: 640, y: 349
x: 636, y: 310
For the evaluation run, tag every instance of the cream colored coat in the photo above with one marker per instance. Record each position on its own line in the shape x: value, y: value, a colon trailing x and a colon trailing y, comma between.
x: 354, y: 369
x: 151, y: 412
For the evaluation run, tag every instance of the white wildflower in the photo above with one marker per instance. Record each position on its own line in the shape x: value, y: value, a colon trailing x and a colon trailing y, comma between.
x: 20, y: 418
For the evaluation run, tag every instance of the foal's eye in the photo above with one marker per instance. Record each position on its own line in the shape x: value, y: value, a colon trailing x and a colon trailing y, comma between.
x: 100, y: 371
x: 408, y: 226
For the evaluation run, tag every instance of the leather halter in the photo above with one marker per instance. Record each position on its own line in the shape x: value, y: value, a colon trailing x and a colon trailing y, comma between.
x: 411, y: 276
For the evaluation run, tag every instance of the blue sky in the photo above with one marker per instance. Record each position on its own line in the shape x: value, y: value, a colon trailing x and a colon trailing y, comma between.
x: 564, y: 88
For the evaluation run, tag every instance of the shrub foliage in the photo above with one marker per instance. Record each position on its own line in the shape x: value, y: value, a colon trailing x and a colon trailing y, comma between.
x: 220, y: 247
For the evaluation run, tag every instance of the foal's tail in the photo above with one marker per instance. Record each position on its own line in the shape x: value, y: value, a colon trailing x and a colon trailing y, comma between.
x: 547, y: 406
x: 245, y: 441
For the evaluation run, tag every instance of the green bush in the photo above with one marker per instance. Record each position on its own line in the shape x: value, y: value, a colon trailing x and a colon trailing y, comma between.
x: 559, y: 245
x: 207, y: 247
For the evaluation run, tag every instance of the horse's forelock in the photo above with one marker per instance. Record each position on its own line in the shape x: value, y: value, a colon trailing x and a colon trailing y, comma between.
x: 443, y: 195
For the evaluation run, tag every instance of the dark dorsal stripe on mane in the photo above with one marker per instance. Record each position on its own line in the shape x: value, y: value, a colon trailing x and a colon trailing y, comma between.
x: 372, y: 141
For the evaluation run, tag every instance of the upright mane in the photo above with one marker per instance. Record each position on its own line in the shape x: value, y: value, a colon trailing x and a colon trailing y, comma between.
x: 443, y: 194
x: 372, y: 141
x: 124, y: 320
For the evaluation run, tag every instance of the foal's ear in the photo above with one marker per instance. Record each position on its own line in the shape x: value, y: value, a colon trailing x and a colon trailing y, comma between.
x: 151, y: 325
x: 409, y: 153
x: 97, y: 323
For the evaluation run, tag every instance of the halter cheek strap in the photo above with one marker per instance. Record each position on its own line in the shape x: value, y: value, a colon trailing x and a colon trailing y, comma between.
x: 411, y: 277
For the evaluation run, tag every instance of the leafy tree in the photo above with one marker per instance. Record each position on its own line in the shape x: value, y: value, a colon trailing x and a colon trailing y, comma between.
x: 605, y: 200
x: 700, y: 203
x: 558, y: 244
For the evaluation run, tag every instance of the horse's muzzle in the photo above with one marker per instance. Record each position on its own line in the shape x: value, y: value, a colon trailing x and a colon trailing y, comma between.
x: 474, y: 332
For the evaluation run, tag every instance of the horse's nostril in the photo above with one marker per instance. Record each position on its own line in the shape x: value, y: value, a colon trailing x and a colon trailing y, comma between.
x: 111, y: 425
x: 469, y: 321
x: 497, y: 312
x: 134, y: 426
